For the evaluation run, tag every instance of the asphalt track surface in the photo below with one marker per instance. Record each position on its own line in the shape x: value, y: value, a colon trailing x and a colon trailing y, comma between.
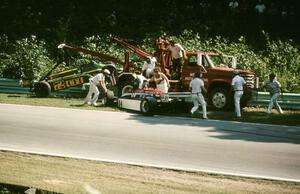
x: 233, y: 148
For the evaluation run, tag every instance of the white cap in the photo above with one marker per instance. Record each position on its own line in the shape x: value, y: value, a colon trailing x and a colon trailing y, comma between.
x: 106, y: 71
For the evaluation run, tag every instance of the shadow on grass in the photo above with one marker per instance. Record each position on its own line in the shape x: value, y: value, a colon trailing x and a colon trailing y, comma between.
x: 78, y: 105
x: 13, y: 96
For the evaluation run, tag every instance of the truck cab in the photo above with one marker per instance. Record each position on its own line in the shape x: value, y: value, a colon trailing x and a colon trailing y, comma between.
x: 217, y: 74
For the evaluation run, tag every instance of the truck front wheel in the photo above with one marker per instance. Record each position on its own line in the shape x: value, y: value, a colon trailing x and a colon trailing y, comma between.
x: 220, y: 99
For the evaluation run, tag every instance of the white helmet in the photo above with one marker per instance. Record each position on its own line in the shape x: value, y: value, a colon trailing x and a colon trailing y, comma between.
x: 106, y: 71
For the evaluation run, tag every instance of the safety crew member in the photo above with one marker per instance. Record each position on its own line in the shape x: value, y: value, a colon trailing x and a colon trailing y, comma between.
x: 197, y: 86
x: 237, y: 84
x: 148, y: 66
x: 161, y: 80
x: 140, y: 81
x: 178, y: 56
x: 274, y: 87
x: 94, y: 81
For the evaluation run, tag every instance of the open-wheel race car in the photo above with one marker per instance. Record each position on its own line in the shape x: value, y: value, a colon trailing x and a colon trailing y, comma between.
x: 53, y: 82
x: 149, y: 100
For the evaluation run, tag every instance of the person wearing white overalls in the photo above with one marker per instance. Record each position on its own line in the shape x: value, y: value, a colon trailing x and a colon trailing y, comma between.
x: 148, y: 67
x: 94, y: 81
x: 274, y: 87
x: 237, y: 84
x: 161, y: 80
x: 197, y: 85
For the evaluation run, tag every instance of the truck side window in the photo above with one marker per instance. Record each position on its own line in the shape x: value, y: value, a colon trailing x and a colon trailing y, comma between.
x: 205, y: 63
x: 193, y: 61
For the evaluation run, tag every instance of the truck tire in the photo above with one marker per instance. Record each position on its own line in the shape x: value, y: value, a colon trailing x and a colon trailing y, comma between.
x: 125, y: 87
x: 42, y: 89
x: 148, y: 106
x: 220, y: 99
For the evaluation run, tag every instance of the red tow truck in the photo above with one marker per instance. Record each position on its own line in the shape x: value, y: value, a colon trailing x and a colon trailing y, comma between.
x: 216, y: 69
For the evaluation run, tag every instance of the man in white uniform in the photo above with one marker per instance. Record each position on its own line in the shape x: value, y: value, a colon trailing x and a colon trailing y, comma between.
x: 94, y: 81
x: 148, y: 67
x: 237, y: 84
x: 274, y: 87
x: 140, y: 81
x: 161, y: 80
x: 178, y: 56
x: 197, y: 85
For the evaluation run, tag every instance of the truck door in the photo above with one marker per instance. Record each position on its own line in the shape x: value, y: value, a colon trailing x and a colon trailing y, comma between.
x: 195, y: 63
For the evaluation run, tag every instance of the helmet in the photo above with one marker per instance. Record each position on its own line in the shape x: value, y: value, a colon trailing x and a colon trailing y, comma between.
x: 106, y: 71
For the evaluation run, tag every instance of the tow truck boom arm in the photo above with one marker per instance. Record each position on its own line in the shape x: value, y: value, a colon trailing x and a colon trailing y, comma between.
x: 93, y: 53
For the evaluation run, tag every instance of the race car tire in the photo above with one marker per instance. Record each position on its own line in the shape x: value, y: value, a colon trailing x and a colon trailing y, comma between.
x: 109, y: 98
x: 125, y: 87
x: 42, y: 89
x: 148, y: 106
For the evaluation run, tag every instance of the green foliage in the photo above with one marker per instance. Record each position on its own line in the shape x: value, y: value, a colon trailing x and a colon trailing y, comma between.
x: 8, y: 68
x: 284, y: 60
x: 28, y: 59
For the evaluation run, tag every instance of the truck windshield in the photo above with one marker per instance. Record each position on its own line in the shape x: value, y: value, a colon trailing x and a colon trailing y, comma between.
x: 218, y: 60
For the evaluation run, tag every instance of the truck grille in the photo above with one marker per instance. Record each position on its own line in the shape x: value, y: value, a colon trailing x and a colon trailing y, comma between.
x: 250, y: 80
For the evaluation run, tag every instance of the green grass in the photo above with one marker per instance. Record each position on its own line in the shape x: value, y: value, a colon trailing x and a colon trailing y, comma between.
x: 68, y: 175
x: 60, y: 102
x: 249, y: 114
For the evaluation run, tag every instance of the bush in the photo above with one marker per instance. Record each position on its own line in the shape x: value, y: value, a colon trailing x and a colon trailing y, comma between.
x: 27, y: 59
x: 284, y: 60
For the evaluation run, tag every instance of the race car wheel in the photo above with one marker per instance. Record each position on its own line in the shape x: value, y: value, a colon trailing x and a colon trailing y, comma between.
x: 109, y: 98
x: 42, y: 89
x: 148, y: 106
x: 126, y: 87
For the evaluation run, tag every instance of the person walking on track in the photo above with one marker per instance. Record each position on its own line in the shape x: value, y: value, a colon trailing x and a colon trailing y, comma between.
x: 197, y: 86
x: 274, y: 87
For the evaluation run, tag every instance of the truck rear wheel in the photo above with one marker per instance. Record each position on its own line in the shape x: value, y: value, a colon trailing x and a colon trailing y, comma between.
x: 148, y: 106
x: 42, y: 89
x: 220, y: 99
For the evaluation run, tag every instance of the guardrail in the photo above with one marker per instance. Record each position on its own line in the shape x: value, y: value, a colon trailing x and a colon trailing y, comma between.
x: 12, y: 86
x: 286, y: 101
